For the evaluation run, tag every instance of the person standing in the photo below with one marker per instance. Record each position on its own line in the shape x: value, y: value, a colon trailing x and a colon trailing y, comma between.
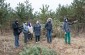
x: 16, y: 33
x: 37, y: 31
x: 66, y: 29
x: 30, y: 34
x: 25, y: 31
x: 48, y: 27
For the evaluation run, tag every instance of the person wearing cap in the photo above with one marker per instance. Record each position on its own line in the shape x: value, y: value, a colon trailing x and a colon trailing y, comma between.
x: 48, y: 27
x: 15, y: 26
x: 66, y: 29
x: 25, y: 31
x: 37, y: 31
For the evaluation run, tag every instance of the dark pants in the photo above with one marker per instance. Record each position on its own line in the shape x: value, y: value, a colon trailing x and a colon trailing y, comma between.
x: 49, y: 36
x: 25, y: 37
x: 16, y: 41
x: 30, y: 36
x: 37, y: 38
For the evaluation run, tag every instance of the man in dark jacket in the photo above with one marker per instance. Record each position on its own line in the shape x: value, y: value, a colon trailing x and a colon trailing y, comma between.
x: 16, y: 33
x: 37, y: 31
x: 48, y: 27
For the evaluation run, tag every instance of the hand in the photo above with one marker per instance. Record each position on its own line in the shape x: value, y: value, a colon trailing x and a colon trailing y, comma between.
x: 75, y: 21
x: 65, y: 32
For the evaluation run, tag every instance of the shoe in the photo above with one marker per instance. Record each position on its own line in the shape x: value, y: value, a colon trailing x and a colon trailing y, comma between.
x: 16, y: 47
x: 36, y: 42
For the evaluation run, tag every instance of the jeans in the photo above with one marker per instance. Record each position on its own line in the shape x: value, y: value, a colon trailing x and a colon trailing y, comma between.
x: 16, y: 41
x: 25, y: 37
x: 67, y: 37
x: 37, y: 38
x: 49, y: 36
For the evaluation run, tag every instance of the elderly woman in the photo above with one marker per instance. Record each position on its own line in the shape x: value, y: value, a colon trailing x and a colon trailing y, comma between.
x: 37, y: 31
x: 48, y: 27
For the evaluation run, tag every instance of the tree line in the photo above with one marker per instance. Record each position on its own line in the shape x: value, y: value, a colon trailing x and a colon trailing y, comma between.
x: 24, y: 12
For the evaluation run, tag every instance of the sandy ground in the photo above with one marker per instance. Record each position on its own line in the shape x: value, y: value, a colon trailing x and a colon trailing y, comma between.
x: 77, y: 46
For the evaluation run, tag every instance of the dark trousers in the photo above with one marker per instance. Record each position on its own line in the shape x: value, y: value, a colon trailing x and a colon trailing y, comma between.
x: 30, y: 36
x: 37, y: 38
x: 16, y: 41
x: 49, y: 36
x: 25, y: 37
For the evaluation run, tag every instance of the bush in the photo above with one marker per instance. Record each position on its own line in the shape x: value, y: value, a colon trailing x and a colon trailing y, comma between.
x: 37, y: 50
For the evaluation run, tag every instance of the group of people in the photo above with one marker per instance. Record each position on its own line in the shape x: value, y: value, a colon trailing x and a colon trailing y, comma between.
x: 28, y: 30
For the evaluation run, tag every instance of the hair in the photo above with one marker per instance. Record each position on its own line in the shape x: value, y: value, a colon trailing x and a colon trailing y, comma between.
x: 37, y: 21
x: 49, y: 19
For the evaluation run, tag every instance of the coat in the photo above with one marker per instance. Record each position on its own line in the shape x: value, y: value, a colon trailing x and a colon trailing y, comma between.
x: 66, y: 27
x: 37, y: 29
x: 30, y: 29
x: 15, y: 27
x: 25, y: 28
x: 48, y: 26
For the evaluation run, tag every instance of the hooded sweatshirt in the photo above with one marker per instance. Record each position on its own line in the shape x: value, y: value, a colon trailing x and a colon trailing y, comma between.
x: 25, y: 28
x: 30, y: 28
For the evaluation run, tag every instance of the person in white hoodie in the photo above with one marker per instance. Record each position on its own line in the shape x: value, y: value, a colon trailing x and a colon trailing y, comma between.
x: 30, y: 34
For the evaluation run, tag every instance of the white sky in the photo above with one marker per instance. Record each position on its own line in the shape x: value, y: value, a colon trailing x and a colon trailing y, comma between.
x: 36, y: 4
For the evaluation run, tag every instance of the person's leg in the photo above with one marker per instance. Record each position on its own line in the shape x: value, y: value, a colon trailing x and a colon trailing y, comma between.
x: 31, y: 36
x: 28, y: 36
x: 66, y: 38
x: 50, y: 36
x: 38, y: 38
x: 69, y: 39
x: 16, y: 41
x: 25, y: 37
x: 35, y: 38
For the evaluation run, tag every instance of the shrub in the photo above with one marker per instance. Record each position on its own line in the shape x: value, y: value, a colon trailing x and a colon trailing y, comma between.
x: 37, y: 50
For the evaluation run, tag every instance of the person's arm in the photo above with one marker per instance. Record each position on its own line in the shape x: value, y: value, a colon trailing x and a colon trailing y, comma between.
x: 70, y: 23
x: 51, y: 28
x: 46, y: 25
x: 63, y: 27
x: 15, y: 26
x: 33, y: 28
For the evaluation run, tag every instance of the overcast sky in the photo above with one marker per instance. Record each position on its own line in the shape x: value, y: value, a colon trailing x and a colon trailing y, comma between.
x: 36, y: 4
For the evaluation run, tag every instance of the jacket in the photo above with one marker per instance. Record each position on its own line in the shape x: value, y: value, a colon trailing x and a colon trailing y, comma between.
x: 15, y: 27
x: 48, y: 26
x: 66, y: 27
x: 25, y: 28
x: 37, y: 29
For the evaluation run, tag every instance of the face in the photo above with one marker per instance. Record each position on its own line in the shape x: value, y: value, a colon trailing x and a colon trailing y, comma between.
x: 66, y: 20
x: 37, y: 22
x: 17, y: 22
